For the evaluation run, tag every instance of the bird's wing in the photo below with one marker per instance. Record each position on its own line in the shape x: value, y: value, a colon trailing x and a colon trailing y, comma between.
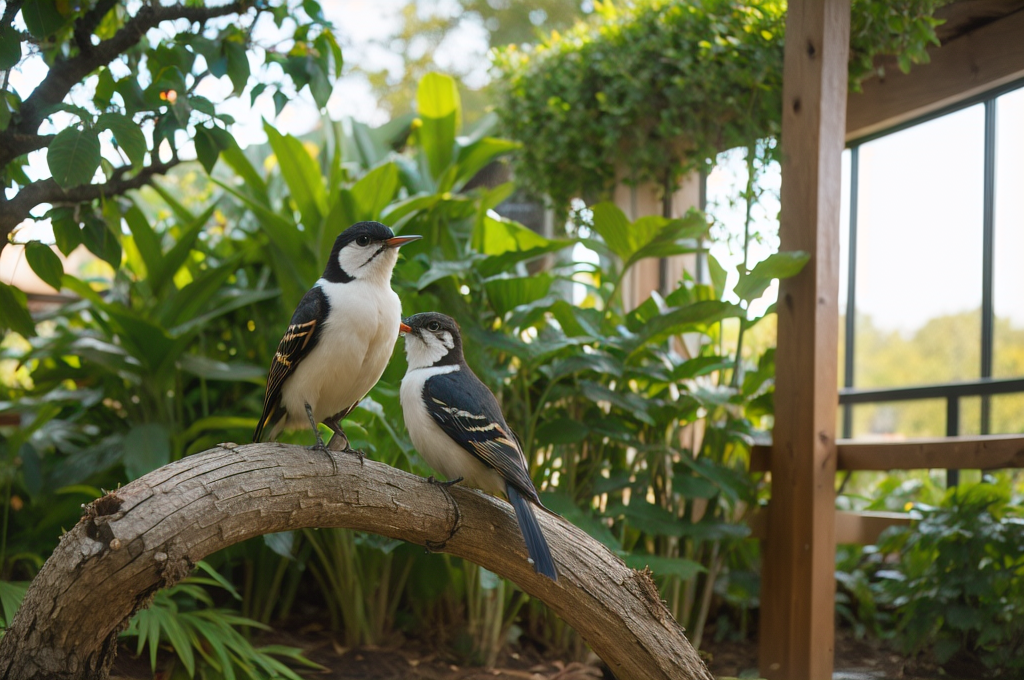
x: 468, y: 413
x: 298, y: 340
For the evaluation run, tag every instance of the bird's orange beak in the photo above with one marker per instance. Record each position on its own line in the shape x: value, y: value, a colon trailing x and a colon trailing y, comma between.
x: 403, y: 329
x: 399, y: 241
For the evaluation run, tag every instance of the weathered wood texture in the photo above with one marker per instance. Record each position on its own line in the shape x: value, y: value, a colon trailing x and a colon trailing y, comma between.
x: 985, y: 452
x: 968, y: 65
x: 798, y: 586
x: 148, y: 535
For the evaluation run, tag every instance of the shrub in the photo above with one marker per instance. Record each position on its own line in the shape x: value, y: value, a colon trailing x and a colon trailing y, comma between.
x: 959, y: 584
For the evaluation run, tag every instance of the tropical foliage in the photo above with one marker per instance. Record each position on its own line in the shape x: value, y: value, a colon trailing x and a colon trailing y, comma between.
x: 637, y: 438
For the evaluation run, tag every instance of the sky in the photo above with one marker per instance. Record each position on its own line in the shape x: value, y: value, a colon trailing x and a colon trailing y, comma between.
x: 919, y: 227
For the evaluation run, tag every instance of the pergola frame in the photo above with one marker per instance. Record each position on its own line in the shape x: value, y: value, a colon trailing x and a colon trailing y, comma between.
x: 798, y: 588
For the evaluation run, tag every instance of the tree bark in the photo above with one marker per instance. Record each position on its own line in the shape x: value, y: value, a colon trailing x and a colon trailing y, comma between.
x: 149, y: 534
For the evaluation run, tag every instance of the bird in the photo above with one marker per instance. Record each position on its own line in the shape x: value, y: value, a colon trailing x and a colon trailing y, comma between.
x: 455, y: 423
x: 340, y: 337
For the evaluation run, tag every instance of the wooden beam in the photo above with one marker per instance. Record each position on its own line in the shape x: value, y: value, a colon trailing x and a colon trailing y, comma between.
x: 979, y: 452
x: 987, y: 452
x: 965, y: 67
x: 798, y: 585
x: 864, y: 528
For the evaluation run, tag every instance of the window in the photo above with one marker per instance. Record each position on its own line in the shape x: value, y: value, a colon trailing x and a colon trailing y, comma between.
x: 933, y: 255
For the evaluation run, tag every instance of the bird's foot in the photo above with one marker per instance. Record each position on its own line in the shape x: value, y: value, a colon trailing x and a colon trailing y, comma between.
x: 319, y: 446
x: 339, y: 442
x: 438, y: 546
x: 355, y: 452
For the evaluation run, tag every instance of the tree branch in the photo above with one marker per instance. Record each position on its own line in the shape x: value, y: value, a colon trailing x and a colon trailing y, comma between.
x: 149, y: 534
x: 85, y: 26
x: 17, y: 209
x: 67, y: 72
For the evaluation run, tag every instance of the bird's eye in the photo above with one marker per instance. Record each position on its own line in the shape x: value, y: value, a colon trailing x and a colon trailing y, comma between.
x: 363, y: 240
x: 433, y: 326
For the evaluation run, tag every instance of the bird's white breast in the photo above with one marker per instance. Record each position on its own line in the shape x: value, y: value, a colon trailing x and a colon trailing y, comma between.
x: 353, y: 349
x: 439, y: 450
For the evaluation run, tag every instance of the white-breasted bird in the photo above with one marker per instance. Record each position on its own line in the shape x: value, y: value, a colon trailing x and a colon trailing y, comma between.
x: 457, y: 426
x: 340, y: 338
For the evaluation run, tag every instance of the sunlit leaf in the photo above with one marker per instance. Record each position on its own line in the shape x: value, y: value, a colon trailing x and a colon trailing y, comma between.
x: 74, y: 156
x: 45, y: 263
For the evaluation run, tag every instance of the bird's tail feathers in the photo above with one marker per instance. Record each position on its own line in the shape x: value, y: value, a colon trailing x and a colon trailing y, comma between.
x: 536, y: 544
x: 262, y: 424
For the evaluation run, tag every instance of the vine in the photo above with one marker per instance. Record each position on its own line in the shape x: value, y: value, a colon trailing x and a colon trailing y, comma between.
x: 654, y: 89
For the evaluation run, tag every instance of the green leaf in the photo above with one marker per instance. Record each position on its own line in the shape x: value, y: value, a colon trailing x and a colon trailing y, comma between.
x: 207, y: 150
x: 497, y: 236
x: 11, y: 595
x: 10, y: 48
x: 211, y: 369
x: 146, y: 447
x: 176, y: 257
x: 280, y: 101
x: 66, y: 231
x: 374, y: 191
x: 666, y: 238
x: 146, y: 240
x: 718, y: 275
x: 238, y: 64
x: 562, y: 431
x: 613, y: 226
x: 74, y: 156
x: 105, y: 88
x: 692, y: 317
x: 217, y: 423
x: 665, y: 566
x: 127, y: 134
x: 477, y: 155
x: 14, y: 312
x: 508, y: 293
x: 45, y: 264
x: 302, y: 174
x: 42, y: 18
x: 752, y: 284
x: 439, y: 108
x: 281, y: 543
x: 100, y: 241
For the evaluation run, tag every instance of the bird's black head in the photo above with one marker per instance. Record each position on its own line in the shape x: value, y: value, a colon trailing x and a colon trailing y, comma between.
x: 364, y: 250
x: 433, y: 339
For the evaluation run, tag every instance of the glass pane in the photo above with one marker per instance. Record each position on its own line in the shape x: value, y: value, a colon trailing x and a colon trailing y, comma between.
x: 1008, y: 266
x: 919, y: 239
x: 1007, y: 414
x: 900, y: 419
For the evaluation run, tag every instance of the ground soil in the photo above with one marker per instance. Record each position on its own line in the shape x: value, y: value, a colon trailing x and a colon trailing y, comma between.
x: 414, y: 660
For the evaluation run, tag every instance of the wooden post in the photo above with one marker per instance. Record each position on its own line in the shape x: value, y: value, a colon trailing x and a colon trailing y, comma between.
x: 797, y: 628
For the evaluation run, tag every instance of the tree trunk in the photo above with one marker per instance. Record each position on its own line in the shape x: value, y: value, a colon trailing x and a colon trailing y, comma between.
x: 148, y: 535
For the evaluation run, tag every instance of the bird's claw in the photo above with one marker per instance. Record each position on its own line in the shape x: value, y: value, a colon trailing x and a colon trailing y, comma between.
x: 355, y: 452
x: 435, y: 546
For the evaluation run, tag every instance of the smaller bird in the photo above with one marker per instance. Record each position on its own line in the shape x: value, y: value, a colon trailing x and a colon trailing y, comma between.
x: 457, y: 426
x: 340, y: 338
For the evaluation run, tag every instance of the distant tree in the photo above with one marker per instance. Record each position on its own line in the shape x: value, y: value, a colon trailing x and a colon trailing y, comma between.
x: 421, y: 33
x: 118, y: 98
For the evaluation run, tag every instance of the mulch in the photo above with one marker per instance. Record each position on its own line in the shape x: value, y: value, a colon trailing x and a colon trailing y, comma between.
x: 415, y: 660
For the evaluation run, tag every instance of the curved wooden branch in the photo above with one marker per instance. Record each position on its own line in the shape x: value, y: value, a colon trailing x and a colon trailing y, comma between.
x: 148, y: 535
